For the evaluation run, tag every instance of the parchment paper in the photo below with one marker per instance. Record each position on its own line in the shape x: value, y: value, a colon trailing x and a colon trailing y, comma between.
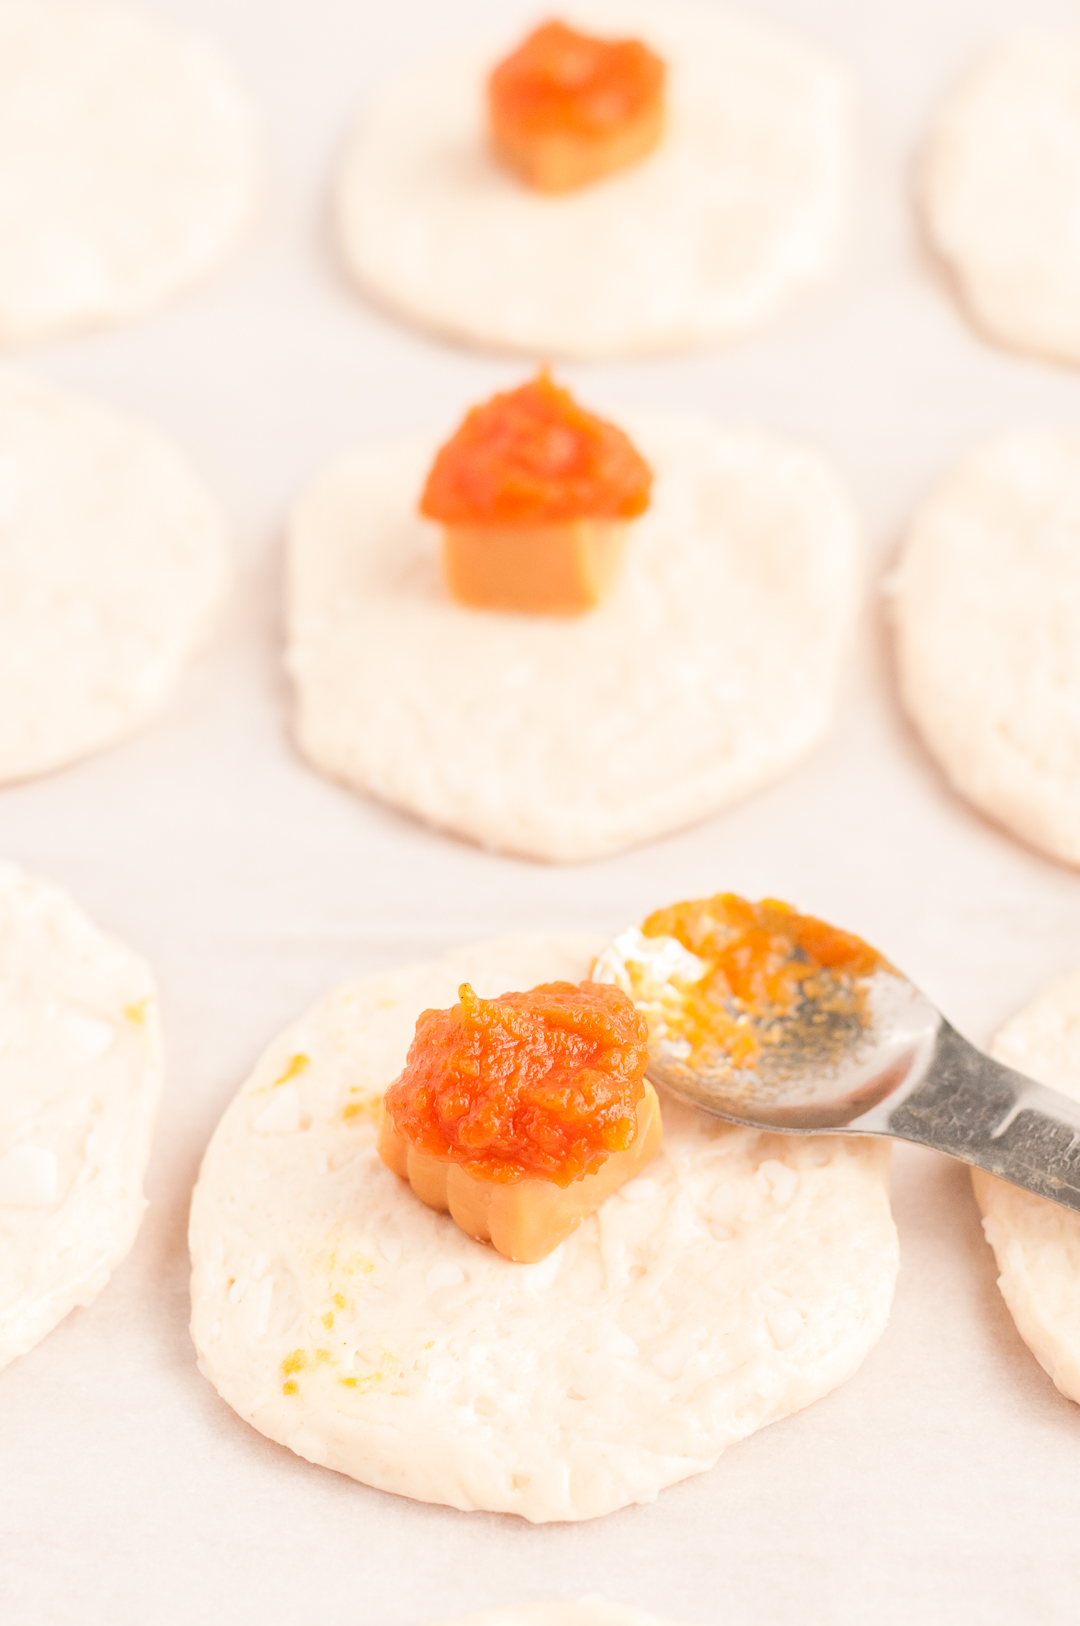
x: 943, y: 1483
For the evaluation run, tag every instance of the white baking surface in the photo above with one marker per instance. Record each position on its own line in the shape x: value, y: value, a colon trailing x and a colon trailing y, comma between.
x: 942, y: 1484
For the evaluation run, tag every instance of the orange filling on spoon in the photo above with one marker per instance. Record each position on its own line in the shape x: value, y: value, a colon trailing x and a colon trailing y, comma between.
x: 535, y: 495
x: 762, y: 960
x: 566, y: 108
x: 520, y: 1114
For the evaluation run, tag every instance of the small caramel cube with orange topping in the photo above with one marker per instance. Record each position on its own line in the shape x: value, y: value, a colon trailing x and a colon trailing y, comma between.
x: 526, y: 1220
x: 566, y: 108
x: 535, y: 495
x: 520, y: 1115
x: 559, y: 569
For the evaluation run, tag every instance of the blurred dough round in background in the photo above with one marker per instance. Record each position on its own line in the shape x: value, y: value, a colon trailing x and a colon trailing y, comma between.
x: 113, y: 560
x: 1036, y: 1242
x: 1000, y: 189
x: 590, y: 1611
x: 987, y: 610
x: 739, y: 1278
x: 128, y: 164
x: 708, y: 672
x: 741, y: 204
x: 79, y: 1089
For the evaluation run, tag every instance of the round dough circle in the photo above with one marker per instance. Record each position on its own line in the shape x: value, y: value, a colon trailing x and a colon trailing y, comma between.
x: 739, y: 207
x: 1001, y: 191
x: 591, y: 1611
x: 708, y: 672
x: 738, y: 1279
x: 1037, y: 1243
x: 79, y: 1091
x: 128, y: 164
x: 112, y: 562
x: 987, y: 609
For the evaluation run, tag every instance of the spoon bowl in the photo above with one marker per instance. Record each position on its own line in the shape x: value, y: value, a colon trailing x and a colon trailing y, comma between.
x: 877, y: 1058
x: 826, y: 1068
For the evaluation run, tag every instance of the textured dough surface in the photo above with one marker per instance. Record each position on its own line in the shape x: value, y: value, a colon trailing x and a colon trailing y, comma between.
x: 112, y: 562
x: 1001, y: 191
x: 1037, y: 1243
x: 987, y: 607
x: 708, y: 672
x: 128, y: 164
x: 80, y: 1078
x: 739, y: 1278
x: 590, y: 1611
x: 740, y: 205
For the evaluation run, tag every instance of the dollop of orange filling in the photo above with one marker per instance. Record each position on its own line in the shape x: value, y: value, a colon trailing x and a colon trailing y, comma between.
x: 560, y: 81
x: 538, y: 1084
x: 534, y: 456
x: 763, y: 959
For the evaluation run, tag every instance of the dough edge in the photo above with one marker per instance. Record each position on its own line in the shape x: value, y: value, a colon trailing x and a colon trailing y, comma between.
x: 1041, y: 318
x: 548, y: 825
x: 115, y: 710
x: 593, y: 1483
x: 999, y: 775
x: 799, y: 257
x: 120, y: 1210
x: 199, y: 69
x: 592, y: 1610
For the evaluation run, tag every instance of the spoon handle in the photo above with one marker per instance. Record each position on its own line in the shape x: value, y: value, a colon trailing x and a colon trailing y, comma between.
x: 973, y: 1108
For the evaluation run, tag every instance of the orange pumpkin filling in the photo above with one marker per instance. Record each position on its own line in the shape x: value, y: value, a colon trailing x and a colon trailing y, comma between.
x: 566, y: 108
x: 534, y: 494
x: 520, y: 1114
x: 762, y: 960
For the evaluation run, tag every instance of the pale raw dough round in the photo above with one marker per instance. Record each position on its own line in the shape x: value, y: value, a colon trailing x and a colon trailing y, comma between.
x: 1001, y: 191
x: 739, y: 1278
x: 128, y: 164
x: 1037, y: 1243
x: 113, y: 560
x: 80, y: 1079
x: 740, y: 206
x: 987, y: 609
x: 709, y: 672
x: 590, y: 1611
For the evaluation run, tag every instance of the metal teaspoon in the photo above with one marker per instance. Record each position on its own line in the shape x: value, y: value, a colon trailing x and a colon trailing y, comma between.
x: 901, y: 1070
